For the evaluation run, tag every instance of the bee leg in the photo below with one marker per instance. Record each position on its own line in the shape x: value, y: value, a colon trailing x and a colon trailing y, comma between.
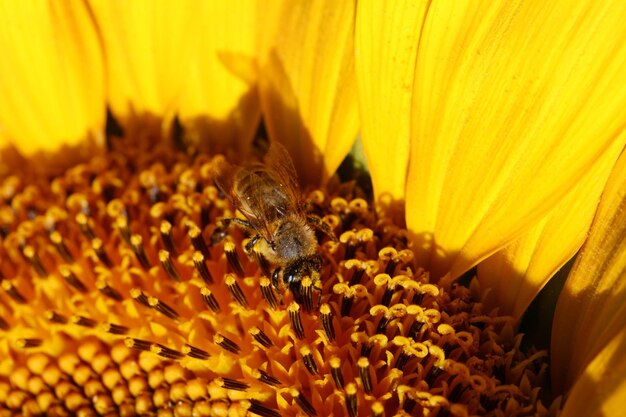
x: 250, y: 245
x: 221, y: 230
x: 321, y: 225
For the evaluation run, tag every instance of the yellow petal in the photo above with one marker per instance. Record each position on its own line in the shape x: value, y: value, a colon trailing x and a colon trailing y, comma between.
x: 387, y: 37
x: 308, y: 90
x: 148, y: 46
x: 601, y: 389
x: 514, y: 103
x: 592, y: 305
x: 51, y: 75
x: 220, y: 100
x: 516, y: 273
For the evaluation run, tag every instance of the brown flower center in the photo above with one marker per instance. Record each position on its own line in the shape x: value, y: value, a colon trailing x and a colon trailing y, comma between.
x: 115, y: 301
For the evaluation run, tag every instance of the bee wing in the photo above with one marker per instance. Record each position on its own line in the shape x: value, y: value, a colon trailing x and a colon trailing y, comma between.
x: 280, y: 162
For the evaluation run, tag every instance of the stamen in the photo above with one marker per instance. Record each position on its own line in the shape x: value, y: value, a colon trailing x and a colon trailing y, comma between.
x: 432, y: 375
x: 230, y: 383
x: 84, y: 226
x: 55, y: 317
x: 364, y: 373
x: 210, y: 300
x: 203, y: 271
x: 235, y: 290
x: 98, y: 247
x: 409, y: 404
x: 415, y: 329
x: 195, y: 235
x: 83, y: 321
x: 403, y: 358
x: 326, y: 317
x: 165, y: 352
x: 114, y: 328
x: 255, y: 407
x: 136, y: 242
x: 166, y: 237
x: 3, y: 324
x: 168, y: 265
x: 377, y: 409
x: 71, y: 279
x: 137, y: 344
x: 26, y: 343
x: 296, y: 321
x: 266, y: 378
x: 121, y: 223
x: 268, y: 293
x: 57, y: 240
x: 335, y: 371
x: 226, y: 343
x: 140, y: 297
x: 358, y: 269
x: 309, y: 362
x: 233, y: 258
x: 35, y: 262
x: 306, y: 286
x: 108, y: 291
x: 346, y: 304
x: 13, y: 292
x: 382, y: 324
x: 304, y: 404
x: 262, y: 262
x: 351, y: 400
x: 260, y: 337
x: 195, y: 352
x: 163, y: 308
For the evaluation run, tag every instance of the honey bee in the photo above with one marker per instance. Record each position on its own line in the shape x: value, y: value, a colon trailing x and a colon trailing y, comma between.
x: 282, y: 231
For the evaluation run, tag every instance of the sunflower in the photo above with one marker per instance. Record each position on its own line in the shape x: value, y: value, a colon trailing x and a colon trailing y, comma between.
x: 493, y: 136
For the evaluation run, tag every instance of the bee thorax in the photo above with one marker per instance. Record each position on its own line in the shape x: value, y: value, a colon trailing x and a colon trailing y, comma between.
x: 293, y: 239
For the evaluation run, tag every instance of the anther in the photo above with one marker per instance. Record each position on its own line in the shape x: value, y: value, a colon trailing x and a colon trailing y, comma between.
x: 25, y: 343
x: 108, y: 291
x: 136, y: 242
x: 194, y: 352
x: 364, y: 373
x: 139, y: 296
x: 195, y: 235
x: 84, y: 226
x: 335, y: 371
x: 309, y: 362
x: 418, y: 297
x: 121, y: 223
x: 415, y: 329
x: 71, y: 279
x: 229, y: 383
x: 137, y: 344
x: 326, y: 316
x: 233, y: 258
x: 260, y: 336
x: 351, y: 399
x: 433, y: 373
x: 409, y: 404
x: 83, y: 321
x: 266, y: 378
x: 203, y: 271
x: 55, y: 317
x: 98, y: 247
x: 165, y: 352
x: 13, y: 292
x: 114, y: 328
x: 3, y: 324
x: 346, y: 304
x: 382, y: 324
x: 306, y: 286
x: 268, y: 293
x: 168, y: 265
x: 296, y: 321
x: 235, y: 290
x: 403, y: 358
x: 302, y: 402
x: 35, y: 262
x: 57, y: 240
x: 226, y: 343
x: 262, y: 262
x: 210, y: 300
x: 166, y: 237
x: 357, y: 274
x: 163, y: 308
x: 255, y: 407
